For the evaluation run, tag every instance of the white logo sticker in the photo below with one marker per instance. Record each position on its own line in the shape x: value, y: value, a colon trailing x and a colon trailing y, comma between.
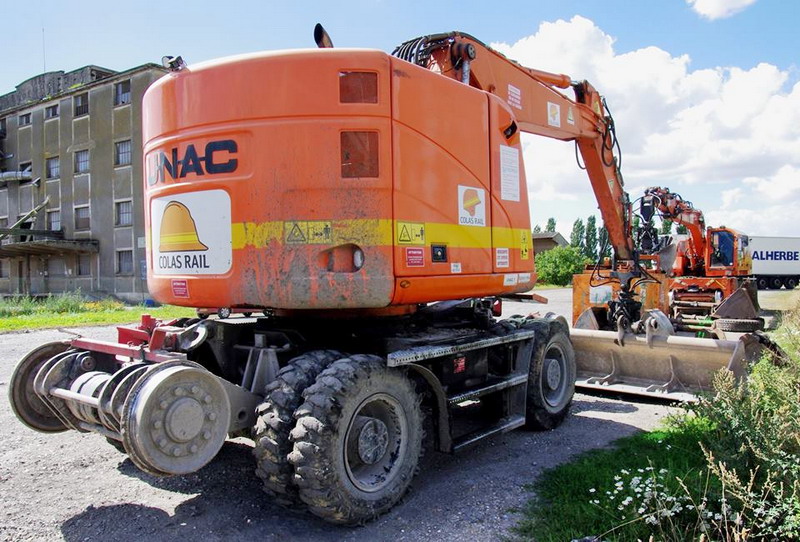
x: 510, y: 280
x: 471, y: 206
x: 455, y: 267
x: 191, y: 233
x: 524, y: 278
x: 554, y: 114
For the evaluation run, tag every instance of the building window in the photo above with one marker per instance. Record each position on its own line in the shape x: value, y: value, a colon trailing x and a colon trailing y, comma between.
x: 25, y: 119
x: 52, y: 168
x: 122, y: 93
x: 82, y: 218
x: 122, y: 153
x: 51, y: 112
x: 4, y: 268
x: 124, y: 213
x: 125, y: 262
x: 84, y: 265
x: 54, y: 220
x: 2, y: 125
x: 81, y: 102
x: 82, y: 161
x: 4, y: 224
x: 25, y: 166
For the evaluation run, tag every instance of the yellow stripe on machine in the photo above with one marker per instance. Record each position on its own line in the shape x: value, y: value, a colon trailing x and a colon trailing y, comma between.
x: 380, y: 232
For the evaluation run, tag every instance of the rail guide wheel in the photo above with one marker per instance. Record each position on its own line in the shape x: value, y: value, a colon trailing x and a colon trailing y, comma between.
x: 175, y: 419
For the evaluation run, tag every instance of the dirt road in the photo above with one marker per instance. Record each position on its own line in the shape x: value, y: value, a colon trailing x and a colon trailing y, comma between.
x: 77, y: 487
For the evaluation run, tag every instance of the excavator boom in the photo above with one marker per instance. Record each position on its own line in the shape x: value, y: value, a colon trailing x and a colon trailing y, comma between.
x: 541, y: 109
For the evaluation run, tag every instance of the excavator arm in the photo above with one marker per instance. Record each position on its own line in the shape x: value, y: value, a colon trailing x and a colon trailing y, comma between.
x: 541, y: 109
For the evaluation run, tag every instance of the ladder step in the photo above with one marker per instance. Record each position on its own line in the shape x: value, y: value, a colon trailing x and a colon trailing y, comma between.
x: 494, y: 384
x: 502, y: 426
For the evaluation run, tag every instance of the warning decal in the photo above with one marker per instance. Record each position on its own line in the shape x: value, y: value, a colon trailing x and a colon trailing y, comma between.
x: 471, y: 206
x: 180, y: 288
x: 514, y: 97
x: 410, y: 233
x: 510, y: 280
x: 415, y: 257
x: 524, y: 245
x: 509, y: 173
x: 524, y: 278
x: 554, y: 114
x: 570, y: 116
x: 501, y: 257
x: 191, y: 235
x: 311, y: 232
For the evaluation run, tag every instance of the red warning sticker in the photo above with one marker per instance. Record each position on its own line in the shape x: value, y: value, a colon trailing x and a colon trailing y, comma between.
x: 415, y: 257
x: 180, y: 288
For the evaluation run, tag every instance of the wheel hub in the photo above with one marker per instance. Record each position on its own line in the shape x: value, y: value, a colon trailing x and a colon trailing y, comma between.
x: 553, y: 374
x: 184, y: 419
x: 373, y: 441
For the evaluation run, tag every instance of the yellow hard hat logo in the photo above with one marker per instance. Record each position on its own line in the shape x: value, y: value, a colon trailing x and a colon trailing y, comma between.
x: 178, y: 230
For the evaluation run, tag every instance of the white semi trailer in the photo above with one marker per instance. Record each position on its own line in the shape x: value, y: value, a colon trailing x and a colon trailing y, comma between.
x: 776, y: 261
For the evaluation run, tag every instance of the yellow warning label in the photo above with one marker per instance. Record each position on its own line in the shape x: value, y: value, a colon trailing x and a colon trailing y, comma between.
x: 410, y: 233
x: 524, y: 245
x: 314, y: 232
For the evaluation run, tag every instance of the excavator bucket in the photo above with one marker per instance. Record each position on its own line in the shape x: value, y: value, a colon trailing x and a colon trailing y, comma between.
x: 671, y: 367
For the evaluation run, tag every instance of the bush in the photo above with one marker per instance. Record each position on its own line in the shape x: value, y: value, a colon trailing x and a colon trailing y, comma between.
x: 556, y: 266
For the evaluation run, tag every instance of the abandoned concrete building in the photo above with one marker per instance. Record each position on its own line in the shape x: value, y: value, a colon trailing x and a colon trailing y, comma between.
x: 71, y: 211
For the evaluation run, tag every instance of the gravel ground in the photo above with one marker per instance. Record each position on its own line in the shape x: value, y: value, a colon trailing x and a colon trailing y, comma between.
x: 71, y: 486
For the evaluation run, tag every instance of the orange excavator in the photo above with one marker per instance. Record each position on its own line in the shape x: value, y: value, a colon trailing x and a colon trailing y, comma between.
x: 374, y: 207
x: 708, y: 266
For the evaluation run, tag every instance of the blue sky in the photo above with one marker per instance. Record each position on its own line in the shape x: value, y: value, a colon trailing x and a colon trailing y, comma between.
x: 120, y: 35
x: 703, y: 90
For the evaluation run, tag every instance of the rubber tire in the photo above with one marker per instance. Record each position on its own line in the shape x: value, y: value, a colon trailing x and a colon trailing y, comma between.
x: 322, y: 423
x: 762, y: 283
x: 274, y: 422
x: 790, y: 283
x: 539, y: 414
x: 740, y: 324
x: 247, y: 314
x: 775, y: 283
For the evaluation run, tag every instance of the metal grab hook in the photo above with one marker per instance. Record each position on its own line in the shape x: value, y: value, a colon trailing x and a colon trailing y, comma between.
x: 192, y: 337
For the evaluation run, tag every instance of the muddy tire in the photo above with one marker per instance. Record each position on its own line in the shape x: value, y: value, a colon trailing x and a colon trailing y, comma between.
x: 551, y: 379
x: 740, y: 324
x: 275, y: 421
x: 357, y: 440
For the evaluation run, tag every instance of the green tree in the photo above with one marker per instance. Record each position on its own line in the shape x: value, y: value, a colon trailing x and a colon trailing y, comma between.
x: 605, y: 247
x: 590, y: 238
x: 537, y: 229
x: 551, y: 224
x: 681, y: 229
x: 636, y: 226
x: 557, y: 265
x: 577, y: 235
x: 666, y: 227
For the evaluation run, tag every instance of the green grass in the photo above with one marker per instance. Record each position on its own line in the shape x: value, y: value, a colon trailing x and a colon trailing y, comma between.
x: 563, y: 508
x: 72, y: 310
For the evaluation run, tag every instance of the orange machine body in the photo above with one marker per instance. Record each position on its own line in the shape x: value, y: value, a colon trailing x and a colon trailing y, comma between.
x: 330, y: 179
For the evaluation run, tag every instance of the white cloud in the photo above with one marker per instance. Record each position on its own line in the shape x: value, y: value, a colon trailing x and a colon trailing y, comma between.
x: 727, y: 138
x: 719, y: 9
